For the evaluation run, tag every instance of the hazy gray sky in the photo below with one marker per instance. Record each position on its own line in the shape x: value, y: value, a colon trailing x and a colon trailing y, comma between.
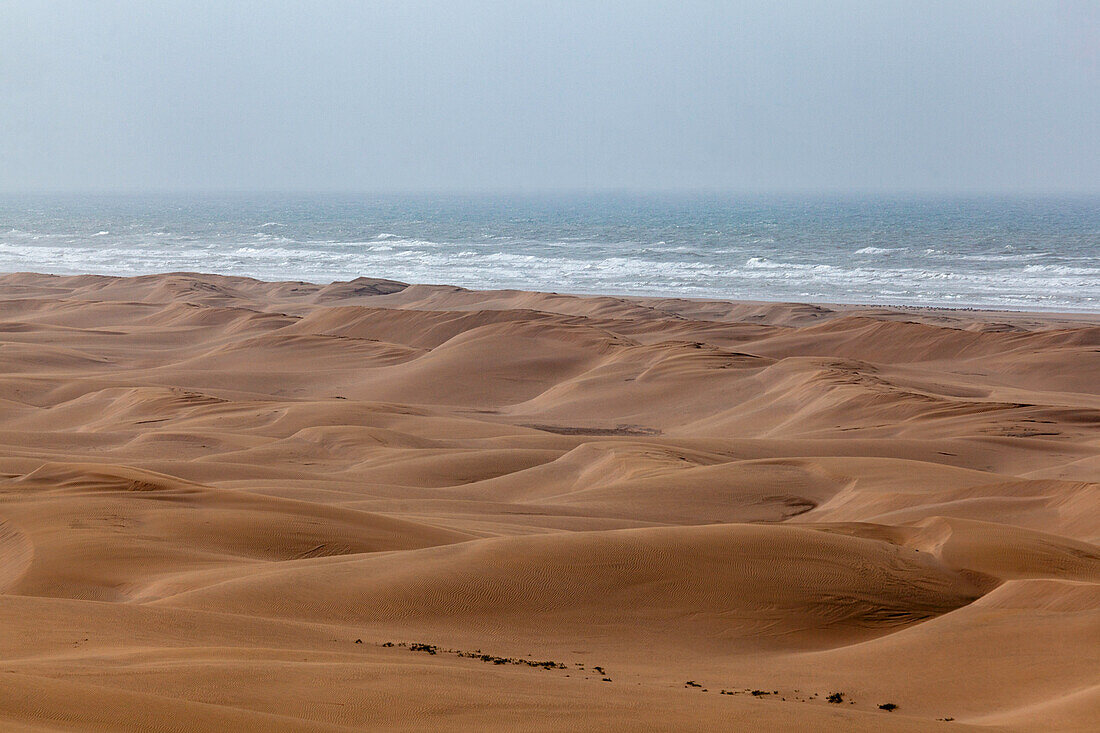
x: 549, y: 95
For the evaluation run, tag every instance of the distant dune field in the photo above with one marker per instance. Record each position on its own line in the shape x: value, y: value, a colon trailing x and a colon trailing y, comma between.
x: 228, y: 504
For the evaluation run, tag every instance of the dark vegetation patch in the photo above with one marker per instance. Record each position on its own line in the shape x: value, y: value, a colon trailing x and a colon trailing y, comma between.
x: 481, y: 656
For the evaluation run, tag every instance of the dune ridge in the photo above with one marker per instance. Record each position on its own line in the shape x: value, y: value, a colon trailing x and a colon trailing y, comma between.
x: 234, y: 504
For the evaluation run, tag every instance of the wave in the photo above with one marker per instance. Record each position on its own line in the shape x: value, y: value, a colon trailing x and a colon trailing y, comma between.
x: 1066, y: 270
x: 878, y: 250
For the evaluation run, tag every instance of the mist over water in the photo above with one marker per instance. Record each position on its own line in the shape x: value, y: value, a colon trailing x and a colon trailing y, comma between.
x: 1032, y: 254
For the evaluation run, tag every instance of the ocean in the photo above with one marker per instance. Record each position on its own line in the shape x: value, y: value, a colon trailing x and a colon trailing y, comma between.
x: 1010, y: 253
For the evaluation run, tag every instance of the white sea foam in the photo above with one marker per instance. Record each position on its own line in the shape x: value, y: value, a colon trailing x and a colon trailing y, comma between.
x: 878, y: 250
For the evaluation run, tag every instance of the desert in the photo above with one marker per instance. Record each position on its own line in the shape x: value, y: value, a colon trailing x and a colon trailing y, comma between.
x: 229, y: 504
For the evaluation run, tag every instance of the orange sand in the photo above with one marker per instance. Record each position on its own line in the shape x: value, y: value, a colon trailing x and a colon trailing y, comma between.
x: 212, y: 487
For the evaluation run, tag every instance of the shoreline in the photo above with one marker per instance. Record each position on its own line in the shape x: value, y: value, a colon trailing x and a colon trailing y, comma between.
x: 1053, y: 312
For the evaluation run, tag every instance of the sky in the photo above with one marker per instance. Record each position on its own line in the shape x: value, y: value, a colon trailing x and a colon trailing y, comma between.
x: 477, y: 95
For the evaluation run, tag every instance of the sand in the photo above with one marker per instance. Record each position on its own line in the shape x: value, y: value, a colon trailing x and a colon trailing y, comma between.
x: 227, y: 504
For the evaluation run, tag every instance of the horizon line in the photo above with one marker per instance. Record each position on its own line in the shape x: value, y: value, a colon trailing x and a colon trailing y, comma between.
x: 567, y: 191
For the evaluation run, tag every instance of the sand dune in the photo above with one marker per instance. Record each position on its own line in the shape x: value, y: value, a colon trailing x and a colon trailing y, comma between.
x: 227, y: 504
x: 722, y: 587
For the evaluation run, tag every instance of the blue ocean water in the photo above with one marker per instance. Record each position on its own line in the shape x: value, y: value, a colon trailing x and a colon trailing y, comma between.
x: 1031, y: 254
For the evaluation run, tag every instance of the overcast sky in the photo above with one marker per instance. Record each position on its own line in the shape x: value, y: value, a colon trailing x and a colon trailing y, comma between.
x: 480, y: 95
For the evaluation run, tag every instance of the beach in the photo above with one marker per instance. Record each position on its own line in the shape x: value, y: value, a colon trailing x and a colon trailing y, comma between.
x: 232, y: 504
